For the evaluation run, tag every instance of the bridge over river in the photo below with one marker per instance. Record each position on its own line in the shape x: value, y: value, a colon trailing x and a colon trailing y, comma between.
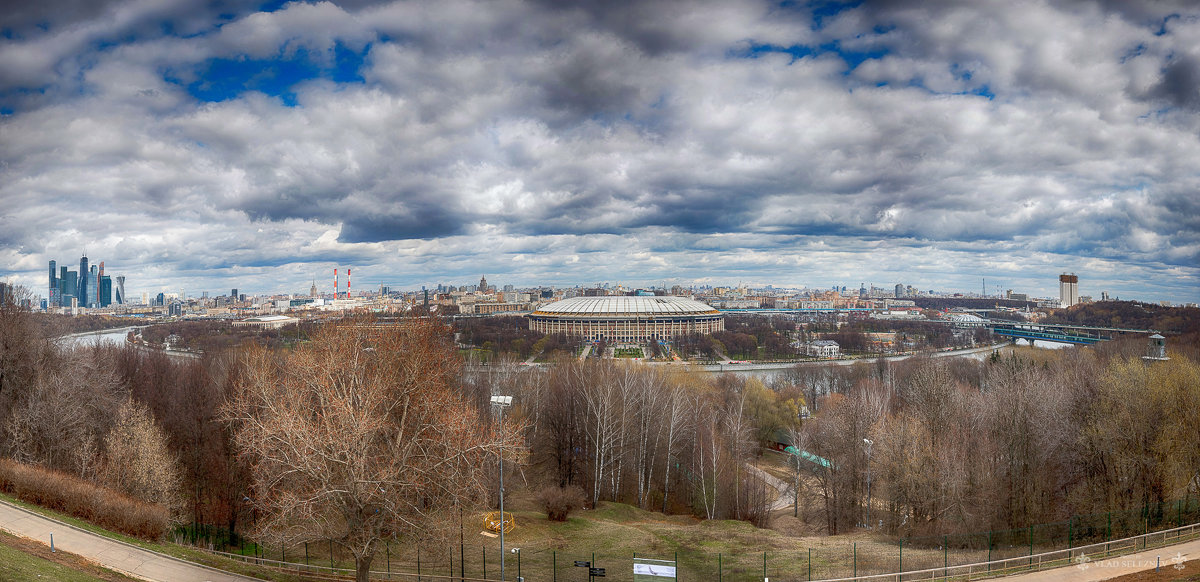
x: 1062, y: 333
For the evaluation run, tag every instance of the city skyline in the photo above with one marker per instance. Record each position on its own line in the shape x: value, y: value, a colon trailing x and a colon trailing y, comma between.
x: 260, y: 146
x: 62, y: 285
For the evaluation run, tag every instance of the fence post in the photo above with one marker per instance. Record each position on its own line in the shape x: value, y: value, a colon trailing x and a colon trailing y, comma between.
x: 1070, y: 535
x: 901, y: 570
x: 946, y: 556
x: 764, y: 566
x: 989, y: 562
x: 1031, y: 546
x: 810, y: 565
x: 484, y: 550
x: 554, y: 563
x: 330, y: 554
x: 720, y: 570
x: 387, y: 548
x: 305, y: 553
x: 419, y: 564
x: 856, y: 559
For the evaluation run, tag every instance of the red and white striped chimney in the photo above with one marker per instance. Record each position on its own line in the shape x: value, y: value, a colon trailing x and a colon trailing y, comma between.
x: 347, y: 282
x: 335, y: 284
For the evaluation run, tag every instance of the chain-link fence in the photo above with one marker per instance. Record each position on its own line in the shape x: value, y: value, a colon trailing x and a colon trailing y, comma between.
x: 925, y: 557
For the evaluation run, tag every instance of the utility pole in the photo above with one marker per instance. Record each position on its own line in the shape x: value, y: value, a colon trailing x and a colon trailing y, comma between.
x: 868, y: 442
x: 502, y: 402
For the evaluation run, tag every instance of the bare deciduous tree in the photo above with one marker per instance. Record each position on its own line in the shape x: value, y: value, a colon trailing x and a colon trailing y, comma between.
x: 137, y: 460
x: 361, y: 436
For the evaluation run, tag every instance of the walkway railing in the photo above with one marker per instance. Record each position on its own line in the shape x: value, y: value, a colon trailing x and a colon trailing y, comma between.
x: 1079, y: 557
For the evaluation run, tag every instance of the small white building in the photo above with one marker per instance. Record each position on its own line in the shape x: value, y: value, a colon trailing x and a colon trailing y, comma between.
x: 822, y: 349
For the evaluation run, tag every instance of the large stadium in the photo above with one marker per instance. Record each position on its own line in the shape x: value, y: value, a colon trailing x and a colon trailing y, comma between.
x: 627, y: 319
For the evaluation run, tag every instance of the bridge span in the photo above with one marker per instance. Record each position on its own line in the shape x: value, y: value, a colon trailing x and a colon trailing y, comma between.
x: 1054, y: 332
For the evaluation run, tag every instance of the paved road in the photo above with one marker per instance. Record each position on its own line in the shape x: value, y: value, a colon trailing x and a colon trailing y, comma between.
x: 785, y: 496
x: 109, y: 553
x: 1104, y: 569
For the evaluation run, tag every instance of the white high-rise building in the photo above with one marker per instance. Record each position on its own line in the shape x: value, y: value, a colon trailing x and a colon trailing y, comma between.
x: 1068, y: 290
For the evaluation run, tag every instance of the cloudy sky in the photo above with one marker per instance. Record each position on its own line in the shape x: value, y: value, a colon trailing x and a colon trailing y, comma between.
x: 209, y: 145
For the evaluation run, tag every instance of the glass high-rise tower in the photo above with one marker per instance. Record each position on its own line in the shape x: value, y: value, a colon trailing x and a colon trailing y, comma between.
x: 53, y: 285
x: 83, y: 282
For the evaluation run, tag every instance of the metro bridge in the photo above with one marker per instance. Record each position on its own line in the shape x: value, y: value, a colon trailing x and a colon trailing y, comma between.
x: 1062, y: 333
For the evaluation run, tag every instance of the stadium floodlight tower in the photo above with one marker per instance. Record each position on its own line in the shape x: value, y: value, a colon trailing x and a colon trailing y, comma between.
x: 501, y: 402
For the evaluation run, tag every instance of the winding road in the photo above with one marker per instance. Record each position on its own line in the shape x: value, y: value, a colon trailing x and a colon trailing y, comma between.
x: 112, y: 554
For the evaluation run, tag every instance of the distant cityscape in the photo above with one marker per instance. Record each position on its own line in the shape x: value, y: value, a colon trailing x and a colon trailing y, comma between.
x: 90, y: 290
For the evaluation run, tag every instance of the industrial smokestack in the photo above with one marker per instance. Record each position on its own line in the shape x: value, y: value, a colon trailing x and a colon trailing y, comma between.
x: 335, y: 284
x: 347, y: 282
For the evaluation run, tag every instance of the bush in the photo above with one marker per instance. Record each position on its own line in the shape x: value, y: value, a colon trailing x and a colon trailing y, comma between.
x: 101, y: 506
x: 559, y: 502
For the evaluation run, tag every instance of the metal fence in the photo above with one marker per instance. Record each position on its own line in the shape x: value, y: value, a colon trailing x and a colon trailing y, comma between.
x: 960, y: 556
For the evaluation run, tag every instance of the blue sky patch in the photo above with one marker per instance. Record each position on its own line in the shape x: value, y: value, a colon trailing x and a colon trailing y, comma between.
x: 823, y: 10
x: 853, y: 58
x: 221, y: 79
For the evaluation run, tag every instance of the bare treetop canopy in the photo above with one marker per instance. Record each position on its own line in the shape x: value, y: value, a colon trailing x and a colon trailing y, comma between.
x: 361, y: 436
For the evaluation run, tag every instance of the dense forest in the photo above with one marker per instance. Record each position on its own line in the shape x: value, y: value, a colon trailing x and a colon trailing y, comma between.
x: 1131, y: 315
x: 1023, y: 437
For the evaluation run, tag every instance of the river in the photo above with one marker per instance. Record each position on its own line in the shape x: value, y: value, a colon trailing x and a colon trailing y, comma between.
x: 88, y: 338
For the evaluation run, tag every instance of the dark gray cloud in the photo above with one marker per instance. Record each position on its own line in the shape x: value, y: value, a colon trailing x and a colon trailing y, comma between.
x: 1180, y: 83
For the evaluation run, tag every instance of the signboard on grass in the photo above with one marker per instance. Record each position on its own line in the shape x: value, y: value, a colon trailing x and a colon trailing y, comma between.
x: 647, y: 570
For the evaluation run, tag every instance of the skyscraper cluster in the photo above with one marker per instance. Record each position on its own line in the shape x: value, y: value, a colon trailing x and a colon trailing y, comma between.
x: 87, y: 287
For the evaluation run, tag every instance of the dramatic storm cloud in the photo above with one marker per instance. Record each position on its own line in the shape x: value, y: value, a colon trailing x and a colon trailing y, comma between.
x: 229, y: 144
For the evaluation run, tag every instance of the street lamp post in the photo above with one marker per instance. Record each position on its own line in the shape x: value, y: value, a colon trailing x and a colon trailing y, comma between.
x: 501, y: 402
x: 868, y: 443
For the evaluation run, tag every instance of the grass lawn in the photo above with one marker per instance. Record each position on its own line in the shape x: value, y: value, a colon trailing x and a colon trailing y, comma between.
x: 183, y: 552
x: 23, y: 559
x: 609, y: 537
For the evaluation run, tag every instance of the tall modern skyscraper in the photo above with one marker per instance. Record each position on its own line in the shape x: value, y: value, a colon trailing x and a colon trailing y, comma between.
x: 1068, y: 290
x: 105, y: 287
x: 53, y: 301
x: 120, y: 290
x: 93, y: 288
x: 82, y: 289
x: 70, y: 286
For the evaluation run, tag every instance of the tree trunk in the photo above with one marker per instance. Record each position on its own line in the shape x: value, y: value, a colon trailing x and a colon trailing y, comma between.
x: 362, y: 567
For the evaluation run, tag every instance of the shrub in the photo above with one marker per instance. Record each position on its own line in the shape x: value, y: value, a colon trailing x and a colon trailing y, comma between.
x: 559, y: 502
x: 98, y: 505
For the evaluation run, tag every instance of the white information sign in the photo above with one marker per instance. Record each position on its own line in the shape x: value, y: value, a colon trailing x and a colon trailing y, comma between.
x: 659, y: 570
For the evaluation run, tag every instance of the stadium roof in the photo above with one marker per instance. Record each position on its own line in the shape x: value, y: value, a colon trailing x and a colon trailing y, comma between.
x: 626, y: 306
